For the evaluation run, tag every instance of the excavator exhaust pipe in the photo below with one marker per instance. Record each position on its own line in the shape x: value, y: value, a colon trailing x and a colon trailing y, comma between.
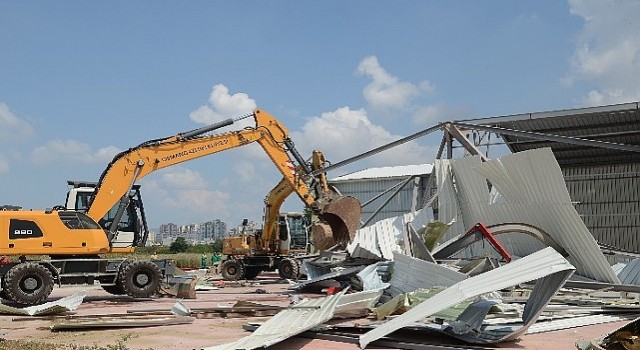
x: 339, y: 220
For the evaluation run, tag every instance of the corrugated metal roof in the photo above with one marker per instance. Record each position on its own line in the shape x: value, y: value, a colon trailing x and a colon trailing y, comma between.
x: 616, y: 123
x: 380, y: 239
x: 607, y: 197
x: 385, y: 172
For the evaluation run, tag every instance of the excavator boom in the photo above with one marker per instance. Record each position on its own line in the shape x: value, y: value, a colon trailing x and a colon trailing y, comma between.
x: 130, y: 166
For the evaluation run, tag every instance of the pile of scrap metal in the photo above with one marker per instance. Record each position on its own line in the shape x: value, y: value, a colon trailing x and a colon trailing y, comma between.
x: 626, y: 337
x: 503, y: 265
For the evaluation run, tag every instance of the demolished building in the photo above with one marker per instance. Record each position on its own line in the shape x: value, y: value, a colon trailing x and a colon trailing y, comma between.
x: 524, y: 200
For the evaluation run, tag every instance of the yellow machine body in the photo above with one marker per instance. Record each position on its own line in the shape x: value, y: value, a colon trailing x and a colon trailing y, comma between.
x: 50, y: 232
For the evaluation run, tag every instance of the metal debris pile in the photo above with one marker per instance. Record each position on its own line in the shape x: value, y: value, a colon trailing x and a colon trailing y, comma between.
x: 528, y: 265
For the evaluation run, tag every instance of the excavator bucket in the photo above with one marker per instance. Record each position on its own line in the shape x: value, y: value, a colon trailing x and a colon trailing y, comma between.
x: 339, y: 220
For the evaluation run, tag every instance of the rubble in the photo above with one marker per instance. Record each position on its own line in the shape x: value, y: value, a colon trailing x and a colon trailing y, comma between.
x: 287, y: 324
x: 525, y: 215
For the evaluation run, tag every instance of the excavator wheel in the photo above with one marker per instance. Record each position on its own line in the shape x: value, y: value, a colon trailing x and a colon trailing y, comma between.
x: 233, y: 270
x: 289, y: 269
x: 252, y: 272
x: 28, y: 283
x: 140, y: 278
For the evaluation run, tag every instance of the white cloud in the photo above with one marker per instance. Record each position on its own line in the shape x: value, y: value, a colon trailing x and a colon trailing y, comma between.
x: 106, y: 154
x: 387, y: 91
x: 221, y: 106
x: 12, y: 127
x: 608, y: 50
x: 12, y: 130
x: 71, y: 151
x: 344, y: 133
x: 245, y: 171
x: 183, y: 189
x: 183, y: 178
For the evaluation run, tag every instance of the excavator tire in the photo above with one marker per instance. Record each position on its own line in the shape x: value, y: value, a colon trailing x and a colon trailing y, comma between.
x: 289, y: 269
x: 28, y: 283
x: 140, y: 278
x: 251, y: 272
x: 233, y: 270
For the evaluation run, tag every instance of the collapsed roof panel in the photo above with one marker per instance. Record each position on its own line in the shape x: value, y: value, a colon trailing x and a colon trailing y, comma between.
x: 59, y: 306
x: 380, y: 239
x: 531, y: 190
x: 546, y: 264
x: 287, y: 323
x: 410, y: 274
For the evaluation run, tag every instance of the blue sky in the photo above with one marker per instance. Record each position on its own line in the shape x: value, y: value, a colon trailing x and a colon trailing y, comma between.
x: 82, y: 80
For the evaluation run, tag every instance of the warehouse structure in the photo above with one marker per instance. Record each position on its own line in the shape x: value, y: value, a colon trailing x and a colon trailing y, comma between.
x: 597, y: 148
x: 387, y: 191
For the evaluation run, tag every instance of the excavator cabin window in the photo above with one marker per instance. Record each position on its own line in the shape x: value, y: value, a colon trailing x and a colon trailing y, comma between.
x: 127, y: 223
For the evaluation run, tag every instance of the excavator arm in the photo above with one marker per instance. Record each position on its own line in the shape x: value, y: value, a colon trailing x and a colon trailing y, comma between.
x: 131, y: 165
x: 339, y: 217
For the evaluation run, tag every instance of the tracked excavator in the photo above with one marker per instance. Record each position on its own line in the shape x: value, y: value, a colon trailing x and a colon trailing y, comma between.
x: 69, y: 243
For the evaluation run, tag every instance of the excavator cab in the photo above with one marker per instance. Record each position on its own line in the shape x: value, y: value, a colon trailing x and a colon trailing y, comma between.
x: 132, y: 230
x: 293, y: 232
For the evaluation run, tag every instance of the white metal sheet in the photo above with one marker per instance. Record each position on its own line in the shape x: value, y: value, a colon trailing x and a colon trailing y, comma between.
x: 287, y: 323
x: 542, y: 264
x: 532, y: 191
x: 410, y: 274
x: 65, y: 304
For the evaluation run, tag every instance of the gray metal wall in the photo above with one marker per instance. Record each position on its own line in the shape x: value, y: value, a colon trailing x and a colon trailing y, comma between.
x: 608, y: 200
x: 409, y: 198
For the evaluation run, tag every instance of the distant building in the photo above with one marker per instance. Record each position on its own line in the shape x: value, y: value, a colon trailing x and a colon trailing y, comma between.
x: 167, y: 232
x: 219, y: 229
x: 202, y: 233
x: 190, y: 233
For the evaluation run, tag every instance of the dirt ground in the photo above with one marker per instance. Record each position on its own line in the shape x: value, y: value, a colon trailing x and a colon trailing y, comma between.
x: 204, y: 332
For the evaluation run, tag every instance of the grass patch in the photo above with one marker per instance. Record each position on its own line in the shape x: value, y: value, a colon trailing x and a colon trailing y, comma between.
x: 34, y: 345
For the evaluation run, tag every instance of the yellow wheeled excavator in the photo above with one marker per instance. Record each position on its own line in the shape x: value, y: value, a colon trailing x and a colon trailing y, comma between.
x: 283, y: 243
x: 71, y: 241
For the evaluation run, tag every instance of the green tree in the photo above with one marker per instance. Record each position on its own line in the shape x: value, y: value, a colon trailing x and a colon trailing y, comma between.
x: 216, y: 246
x: 180, y: 245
